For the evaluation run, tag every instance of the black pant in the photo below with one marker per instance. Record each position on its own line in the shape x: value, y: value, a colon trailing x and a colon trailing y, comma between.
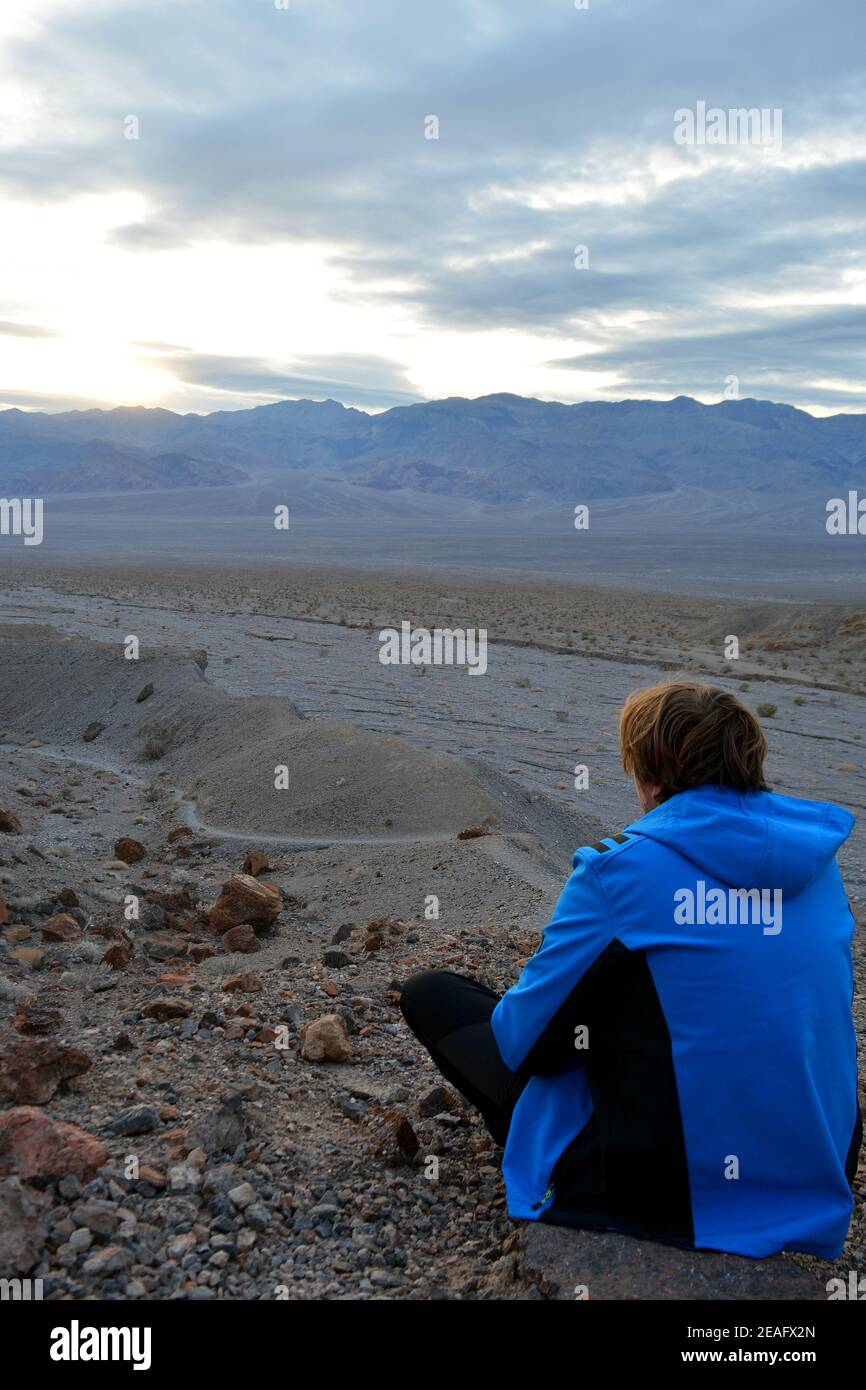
x: 450, y: 1015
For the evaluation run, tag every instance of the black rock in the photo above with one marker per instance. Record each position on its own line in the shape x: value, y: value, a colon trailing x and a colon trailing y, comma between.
x: 138, y: 1119
x: 144, y: 694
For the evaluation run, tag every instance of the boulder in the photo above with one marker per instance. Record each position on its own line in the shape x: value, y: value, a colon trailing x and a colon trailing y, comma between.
x: 32, y: 1069
x: 36, y: 1148
x: 610, y: 1266
x: 244, y: 900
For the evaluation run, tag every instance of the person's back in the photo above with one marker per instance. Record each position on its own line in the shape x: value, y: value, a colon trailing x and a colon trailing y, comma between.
x: 678, y: 1059
x: 716, y: 1104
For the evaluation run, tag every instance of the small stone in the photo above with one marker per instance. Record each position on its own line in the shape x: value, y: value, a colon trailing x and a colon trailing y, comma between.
x: 97, y: 1216
x: 255, y: 863
x: 93, y: 731
x: 28, y: 955
x: 182, y: 1178
x: 242, y: 938
x: 9, y: 824
x: 138, y: 1119
x: 61, y: 928
x: 166, y: 1008
x: 118, y: 956
x: 437, y: 1100
x: 393, y: 1138
x: 257, y: 1216
x: 220, y: 1130
x: 242, y: 1195
x: 129, y: 851
x: 144, y: 694
x: 325, y: 1040
x: 335, y: 958
x: 111, y: 1259
x: 247, y: 983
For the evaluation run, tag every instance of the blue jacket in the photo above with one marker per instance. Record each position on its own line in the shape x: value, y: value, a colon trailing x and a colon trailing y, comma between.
x: 690, y: 1050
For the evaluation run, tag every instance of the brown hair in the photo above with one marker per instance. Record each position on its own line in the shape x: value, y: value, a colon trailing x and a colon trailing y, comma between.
x: 685, y: 734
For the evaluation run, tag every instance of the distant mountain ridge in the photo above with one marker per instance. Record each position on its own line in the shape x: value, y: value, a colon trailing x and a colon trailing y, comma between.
x: 498, y: 449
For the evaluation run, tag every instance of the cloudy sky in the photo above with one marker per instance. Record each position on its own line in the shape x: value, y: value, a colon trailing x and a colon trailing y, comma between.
x: 280, y: 224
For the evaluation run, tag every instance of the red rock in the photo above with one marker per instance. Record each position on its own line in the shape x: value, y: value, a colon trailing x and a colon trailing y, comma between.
x: 255, y: 863
x: 472, y: 833
x: 247, y: 983
x: 108, y: 931
x: 393, y: 1140
x: 179, y: 832
x: 37, y: 1016
x: 31, y: 1070
x: 325, y: 1040
x: 166, y: 1008
x: 4, y: 913
x: 153, y: 1176
x: 9, y: 824
x: 243, y: 899
x: 266, y: 1035
x: 117, y: 956
x: 180, y: 900
x: 36, y: 1148
x: 129, y: 850
x: 201, y: 952
x: 61, y: 928
x: 242, y: 938
x: 66, y: 897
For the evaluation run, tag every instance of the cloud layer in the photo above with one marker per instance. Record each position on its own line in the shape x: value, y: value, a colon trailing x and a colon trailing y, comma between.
x: 284, y: 150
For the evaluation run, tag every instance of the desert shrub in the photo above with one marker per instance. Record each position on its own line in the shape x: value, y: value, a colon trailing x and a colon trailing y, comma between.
x: 767, y: 711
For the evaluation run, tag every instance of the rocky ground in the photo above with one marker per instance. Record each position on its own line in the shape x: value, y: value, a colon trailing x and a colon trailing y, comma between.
x: 203, y: 1110
x: 207, y: 1088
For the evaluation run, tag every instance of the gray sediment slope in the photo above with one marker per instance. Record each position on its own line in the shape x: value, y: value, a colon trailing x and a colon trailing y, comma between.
x: 223, y: 752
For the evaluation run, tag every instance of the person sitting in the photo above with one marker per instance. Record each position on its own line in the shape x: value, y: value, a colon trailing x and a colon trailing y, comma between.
x: 678, y: 1060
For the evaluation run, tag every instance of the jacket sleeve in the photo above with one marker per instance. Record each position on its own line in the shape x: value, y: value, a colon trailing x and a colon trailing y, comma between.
x: 534, y: 1023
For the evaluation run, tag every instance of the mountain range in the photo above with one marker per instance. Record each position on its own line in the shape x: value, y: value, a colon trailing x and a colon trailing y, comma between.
x: 498, y: 449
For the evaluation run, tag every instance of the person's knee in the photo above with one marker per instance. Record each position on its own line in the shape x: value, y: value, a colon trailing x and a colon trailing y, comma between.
x: 419, y: 998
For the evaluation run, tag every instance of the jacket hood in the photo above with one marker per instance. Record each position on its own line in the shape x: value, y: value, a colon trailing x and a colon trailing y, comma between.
x: 749, y: 839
